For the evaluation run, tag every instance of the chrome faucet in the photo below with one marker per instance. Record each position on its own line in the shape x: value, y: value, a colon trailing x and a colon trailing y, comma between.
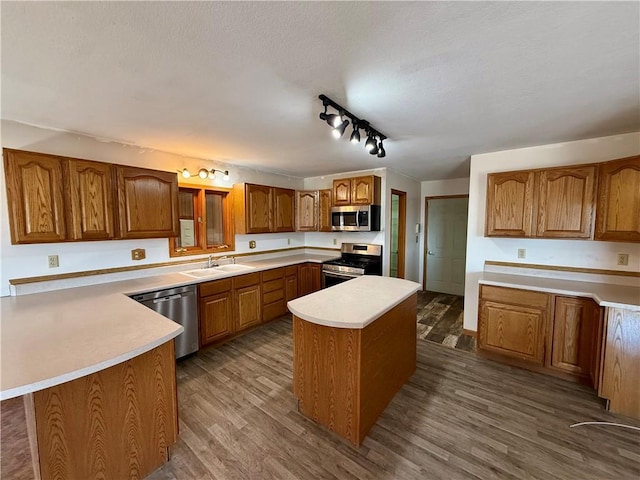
x: 211, y: 262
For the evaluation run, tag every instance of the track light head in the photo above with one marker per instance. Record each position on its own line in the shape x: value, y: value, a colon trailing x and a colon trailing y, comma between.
x: 370, y: 143
x: 339, y: 130
x: 333, y: 119
x: 185, y: 173
x: 203, y: 173
x: 355, y: 135
x: 381, y: 151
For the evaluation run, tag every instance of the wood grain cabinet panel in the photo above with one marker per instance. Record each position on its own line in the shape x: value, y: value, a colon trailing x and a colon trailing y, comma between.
x: 147, y: 203
x: 35, y: 197
x: 291, y: 287
x: 575, y: 326
x: 617, y: 217
x: 509, y: 204
x: 620, y: 378
x: 309, y: 278
x: 216, y: 317
x: 248, y: 311
x: 342, y: 191
x: 325, y: 201
x: 307, y: 211
x: 284, y: 219
x: 365, y: 190
x: 91, y: 200
x: 565, y: 202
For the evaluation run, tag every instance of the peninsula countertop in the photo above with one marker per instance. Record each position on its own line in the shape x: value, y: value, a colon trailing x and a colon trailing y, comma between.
x: 604, y: 294
x: 353, y: 304
x: 53, y: 337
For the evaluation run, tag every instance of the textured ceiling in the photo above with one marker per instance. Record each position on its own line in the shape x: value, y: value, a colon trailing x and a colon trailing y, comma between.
x: 238, y: 81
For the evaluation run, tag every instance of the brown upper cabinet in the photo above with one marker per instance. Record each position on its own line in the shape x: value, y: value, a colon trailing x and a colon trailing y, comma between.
x: 58, y: 199
x: 617, y: 217
x: 313, y: 210
x: 559, y: 200
x: 147, y: 203
x: 90, y: 200
x: 357, y: 191
x: 263, y: 209
x: 35, y: 197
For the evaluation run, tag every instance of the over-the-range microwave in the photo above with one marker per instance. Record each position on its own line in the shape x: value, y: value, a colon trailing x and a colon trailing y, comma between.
x: 356, y: 218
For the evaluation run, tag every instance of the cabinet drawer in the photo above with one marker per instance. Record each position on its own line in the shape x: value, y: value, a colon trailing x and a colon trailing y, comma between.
x: 271, y: 274
x: 217, y: 286
x: 273, y: 310
x: 277, y: 284
x: 515, y: 296
x: 291, y: 270
x: 246, y: 280
x: 270, y: 297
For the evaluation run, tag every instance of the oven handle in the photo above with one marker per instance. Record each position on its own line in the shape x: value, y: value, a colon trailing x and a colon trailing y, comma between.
x: 340, y: 275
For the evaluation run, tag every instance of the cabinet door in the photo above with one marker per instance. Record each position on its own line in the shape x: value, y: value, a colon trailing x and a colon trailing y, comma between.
x: 342, y: 192
x: 363, y: 190
x: 248, y: 311
x: 215, y: 317
x: 574, y: 327
x: 325, y: 201
x: 258, y: 208
x: 35, y: 197
x: 305, y: 285
x: 509, y: 204
x: 618, y: 204
x: 283, y: 210
x: 147, y: 203
x: 512, y: 330
x: 291, y: 287
x: 307, y: 211
x: 565, y: 202
x: 316, y: 277
x: 91, y: 200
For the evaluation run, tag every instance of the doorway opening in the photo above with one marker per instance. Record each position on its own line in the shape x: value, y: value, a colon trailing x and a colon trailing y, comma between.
x: 440, y: 305
x: 398, y: 233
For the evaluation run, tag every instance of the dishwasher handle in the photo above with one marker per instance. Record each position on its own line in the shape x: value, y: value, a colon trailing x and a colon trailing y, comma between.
x: 166, y: 299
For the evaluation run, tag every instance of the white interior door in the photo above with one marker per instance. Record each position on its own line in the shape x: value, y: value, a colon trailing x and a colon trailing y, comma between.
x: 446, y: 244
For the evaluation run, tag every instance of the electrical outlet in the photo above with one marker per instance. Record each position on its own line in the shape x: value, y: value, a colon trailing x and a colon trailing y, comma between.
x: 138, y: 254
x: 252, y: 244
x: 288, y: 241
x: 522, y: 253
x: 335, y: 241
x: 53, y: 261
x: 623, y: 259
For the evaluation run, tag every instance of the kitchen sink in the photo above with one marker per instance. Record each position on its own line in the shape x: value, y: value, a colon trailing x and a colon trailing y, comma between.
x: 215, y: 271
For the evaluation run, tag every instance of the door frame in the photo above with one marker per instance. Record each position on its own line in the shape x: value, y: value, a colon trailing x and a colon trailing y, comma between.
x: 426, y: 231
x: 402, y: 230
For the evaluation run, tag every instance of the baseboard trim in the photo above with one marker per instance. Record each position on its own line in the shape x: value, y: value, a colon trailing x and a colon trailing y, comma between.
x: 471, y: 333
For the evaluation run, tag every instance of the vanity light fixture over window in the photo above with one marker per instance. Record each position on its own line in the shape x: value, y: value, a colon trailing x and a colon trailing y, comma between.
x: 203, y: 173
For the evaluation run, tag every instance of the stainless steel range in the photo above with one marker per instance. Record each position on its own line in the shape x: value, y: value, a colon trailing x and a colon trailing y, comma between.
x: 357, y: 259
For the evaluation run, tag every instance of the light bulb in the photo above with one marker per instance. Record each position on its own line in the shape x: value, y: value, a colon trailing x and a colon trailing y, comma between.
x: 371, y: 143
x: 185, y: 173
x: 212, y: 173
x: 203, y: 173
x: 336, y: 133
x: 226, y: 176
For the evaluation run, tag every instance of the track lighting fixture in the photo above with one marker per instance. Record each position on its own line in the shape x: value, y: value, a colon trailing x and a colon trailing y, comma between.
x: 339, y: 124
x: 204, y: 173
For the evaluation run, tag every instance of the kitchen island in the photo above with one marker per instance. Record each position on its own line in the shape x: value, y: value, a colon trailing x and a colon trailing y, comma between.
x: 354, y: 346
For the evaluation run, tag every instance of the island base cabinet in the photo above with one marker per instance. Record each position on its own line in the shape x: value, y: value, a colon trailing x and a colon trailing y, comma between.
x: 620, y: 374
x: 344, y: 378
x: 116, y: 423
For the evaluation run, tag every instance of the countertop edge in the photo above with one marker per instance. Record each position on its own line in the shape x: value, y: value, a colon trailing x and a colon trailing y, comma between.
x: 82, y: 372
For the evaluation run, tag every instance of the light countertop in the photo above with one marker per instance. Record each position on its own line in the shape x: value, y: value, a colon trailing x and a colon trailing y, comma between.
x: 604, y: 294
x: 353, y: 304
x: 54, y: 337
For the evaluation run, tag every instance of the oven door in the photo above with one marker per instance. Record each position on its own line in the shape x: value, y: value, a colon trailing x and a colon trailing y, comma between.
x: 330, y: 279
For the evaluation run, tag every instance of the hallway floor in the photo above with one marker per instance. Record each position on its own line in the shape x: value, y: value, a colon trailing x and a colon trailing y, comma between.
x: 440, y: 320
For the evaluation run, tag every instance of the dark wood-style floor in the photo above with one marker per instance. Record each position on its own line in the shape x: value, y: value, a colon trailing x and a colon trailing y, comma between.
x: 459, y: 417
x: 440, y: 318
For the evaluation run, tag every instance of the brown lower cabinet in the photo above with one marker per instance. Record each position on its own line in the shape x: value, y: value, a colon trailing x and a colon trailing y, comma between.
x: 309, y: 278
x: 553, y: 334
x: 216, y: 310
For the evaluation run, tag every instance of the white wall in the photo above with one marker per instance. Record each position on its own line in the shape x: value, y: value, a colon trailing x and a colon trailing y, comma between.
x: 436, y: 188
x: 20, y: 261
x: 572, y: 253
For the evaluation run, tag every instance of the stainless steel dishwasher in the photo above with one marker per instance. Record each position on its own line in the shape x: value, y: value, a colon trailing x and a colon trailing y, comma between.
x: 180, y: 305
